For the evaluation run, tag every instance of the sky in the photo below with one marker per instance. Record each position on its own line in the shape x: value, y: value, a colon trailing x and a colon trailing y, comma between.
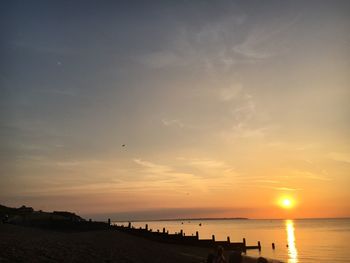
x: 223, y: 108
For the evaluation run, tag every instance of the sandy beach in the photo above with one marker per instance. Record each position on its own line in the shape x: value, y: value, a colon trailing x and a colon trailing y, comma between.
x: 25, y: 244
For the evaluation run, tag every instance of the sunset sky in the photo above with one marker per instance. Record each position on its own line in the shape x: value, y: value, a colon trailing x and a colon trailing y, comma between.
x: 224, y: 107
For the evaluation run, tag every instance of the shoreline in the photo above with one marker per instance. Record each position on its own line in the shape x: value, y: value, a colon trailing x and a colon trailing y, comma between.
x: 227, y: 218
x: 181, y: 219
x: 28, y: 244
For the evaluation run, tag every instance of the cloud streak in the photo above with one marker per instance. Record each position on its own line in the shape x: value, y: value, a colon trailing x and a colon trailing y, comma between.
x: 260, y: 43
x: 340, y: 157
x: 173, y: 123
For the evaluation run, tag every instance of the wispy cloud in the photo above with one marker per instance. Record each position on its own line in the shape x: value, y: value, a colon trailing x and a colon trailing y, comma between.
x: 152, y: 167
x: 266, y: 181
x: 249, y: 50
x: 339, y: 156
x: 207, y: 47
x: 261, y: 41
x: 247, y: 121
x: 277, y: 185
x: 231, y: 92
x: 163, y: 174
x: 321, y: 175
x: 204, y: 163
x: 244, y: 131
x: 204, y: 175
x: 173, y: 123
x: 290, y: 189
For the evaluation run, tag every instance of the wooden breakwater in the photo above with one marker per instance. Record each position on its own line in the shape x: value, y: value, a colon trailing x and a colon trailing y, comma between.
x: 182, y: 239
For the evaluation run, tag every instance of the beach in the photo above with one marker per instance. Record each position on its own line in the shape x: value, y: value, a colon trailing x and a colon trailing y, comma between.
x: 26, y: 244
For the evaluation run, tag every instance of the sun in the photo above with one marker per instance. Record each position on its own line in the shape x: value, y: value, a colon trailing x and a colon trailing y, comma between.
x: 286, y: 202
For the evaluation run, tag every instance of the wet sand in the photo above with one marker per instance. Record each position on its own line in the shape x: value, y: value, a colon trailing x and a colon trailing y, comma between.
x: 25, y: 244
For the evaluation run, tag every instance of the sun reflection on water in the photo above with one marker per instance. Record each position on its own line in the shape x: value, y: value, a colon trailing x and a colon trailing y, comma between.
x: 292, y: 250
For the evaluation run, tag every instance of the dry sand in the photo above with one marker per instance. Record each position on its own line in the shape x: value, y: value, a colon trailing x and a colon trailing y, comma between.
x: 24, y: 244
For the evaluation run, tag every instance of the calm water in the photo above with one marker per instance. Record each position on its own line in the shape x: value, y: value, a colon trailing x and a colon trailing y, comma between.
x: 297, y: 241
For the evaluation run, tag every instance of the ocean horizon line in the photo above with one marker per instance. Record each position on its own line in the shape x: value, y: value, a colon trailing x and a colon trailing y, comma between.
x: 226, y: 218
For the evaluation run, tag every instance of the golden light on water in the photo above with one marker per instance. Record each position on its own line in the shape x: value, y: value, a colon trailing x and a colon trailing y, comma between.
x: 292, y: 250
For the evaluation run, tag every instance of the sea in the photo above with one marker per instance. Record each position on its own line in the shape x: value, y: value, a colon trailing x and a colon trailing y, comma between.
x: 296, y: 241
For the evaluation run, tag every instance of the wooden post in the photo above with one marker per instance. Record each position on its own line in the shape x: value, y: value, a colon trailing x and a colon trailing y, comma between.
x: 146, y: 227
x: 181, y: 232
x: 259, y: 245
x: 163, y: 230
x: 273, y: 246
x: 213, y: 238
x: 109, y: 221
x: 228, y: 240
x: 129, y: 225
x: 244, y: 243
x: 197, y: 235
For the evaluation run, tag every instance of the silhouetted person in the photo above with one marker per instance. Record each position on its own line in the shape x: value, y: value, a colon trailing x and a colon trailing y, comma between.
x: 220, y: 256
x: 235, y: 257
x: 262, y: 260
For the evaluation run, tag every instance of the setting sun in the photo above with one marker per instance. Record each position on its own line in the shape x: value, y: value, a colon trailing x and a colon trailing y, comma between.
x: 286, y: 203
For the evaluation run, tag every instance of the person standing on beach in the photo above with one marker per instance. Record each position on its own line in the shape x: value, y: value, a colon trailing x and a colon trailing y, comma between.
x: 220, y: 256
